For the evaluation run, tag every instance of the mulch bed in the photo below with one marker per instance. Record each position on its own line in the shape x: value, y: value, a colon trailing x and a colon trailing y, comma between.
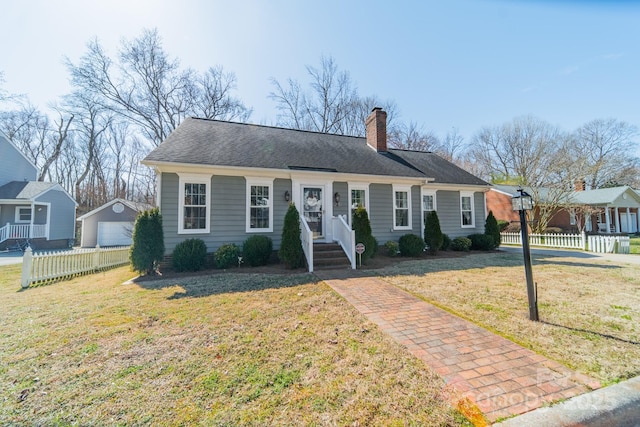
x: 381, y: 260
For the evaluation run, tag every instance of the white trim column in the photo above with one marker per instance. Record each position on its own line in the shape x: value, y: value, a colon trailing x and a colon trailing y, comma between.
x: 617, y: 220
x: 629, y: 227
x: 607, y: 217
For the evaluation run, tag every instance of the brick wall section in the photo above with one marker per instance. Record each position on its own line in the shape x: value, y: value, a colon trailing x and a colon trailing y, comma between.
x: 500, y: 205
x: 376, y: 125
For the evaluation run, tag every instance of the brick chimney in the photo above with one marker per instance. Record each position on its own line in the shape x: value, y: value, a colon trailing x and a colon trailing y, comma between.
x: 579, y: 185
x: 376, y: 125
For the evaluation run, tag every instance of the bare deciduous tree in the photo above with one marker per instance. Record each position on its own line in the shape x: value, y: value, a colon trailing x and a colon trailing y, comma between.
x: 330, y: 105
x: 608, y: 147
x: 149, y: 88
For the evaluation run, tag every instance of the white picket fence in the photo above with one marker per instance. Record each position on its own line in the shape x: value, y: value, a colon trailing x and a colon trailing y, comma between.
x: 43, y: 267
x: 596, y: 243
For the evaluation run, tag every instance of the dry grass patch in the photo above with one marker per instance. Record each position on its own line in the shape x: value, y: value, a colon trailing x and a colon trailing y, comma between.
x: 227, y: 349
x: 589, y: 311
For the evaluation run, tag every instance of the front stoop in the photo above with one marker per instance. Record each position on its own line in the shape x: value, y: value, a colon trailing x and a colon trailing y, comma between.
x: 327, y: 256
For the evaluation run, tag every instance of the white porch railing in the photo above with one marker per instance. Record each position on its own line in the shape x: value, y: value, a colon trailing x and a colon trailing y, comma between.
x: 343, y: 234
x: 23, y: 231
x: 306, y: 236
x: 43, y: 267
x: 602, y: 244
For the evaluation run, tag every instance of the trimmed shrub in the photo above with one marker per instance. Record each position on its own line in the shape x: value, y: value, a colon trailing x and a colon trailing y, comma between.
x: 189, y: 255
x: 362, y: 228
x: 392, y: 248
x: 513, y: 227
x: 554, y: 230
x: 256, y: 250
x: 147, y: 248
x: 432, y: 233
x: 411, y: 245
x: 502, y: 224
x: 491, y: 229
x: 461, y: 244
x: 227, y: 255
x: 446, y: 242
x: 481, y: 242
x: 291, y: 252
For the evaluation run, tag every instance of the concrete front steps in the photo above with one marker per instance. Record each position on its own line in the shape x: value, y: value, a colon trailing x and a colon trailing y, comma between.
x: 328, y: 256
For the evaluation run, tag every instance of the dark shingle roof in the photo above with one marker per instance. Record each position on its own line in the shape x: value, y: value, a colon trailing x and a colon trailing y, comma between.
x: 434, y: 166
x: 24, y: 189
x: 220, y: 143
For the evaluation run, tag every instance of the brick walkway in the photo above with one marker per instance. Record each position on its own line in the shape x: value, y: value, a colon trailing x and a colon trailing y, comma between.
x: 493, y: 374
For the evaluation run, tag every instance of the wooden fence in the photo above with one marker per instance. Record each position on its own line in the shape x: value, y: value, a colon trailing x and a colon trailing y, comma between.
x: 44, y: 267
x: 596, y: 243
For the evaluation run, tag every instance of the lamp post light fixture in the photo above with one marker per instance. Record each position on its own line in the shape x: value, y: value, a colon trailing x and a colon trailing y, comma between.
x: 523, y: 203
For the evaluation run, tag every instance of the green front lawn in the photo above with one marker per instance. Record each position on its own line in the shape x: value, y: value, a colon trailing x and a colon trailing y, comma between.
x: 635, y: 245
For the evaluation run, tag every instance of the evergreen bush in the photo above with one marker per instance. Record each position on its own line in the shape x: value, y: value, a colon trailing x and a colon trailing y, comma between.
x: 461, y: 244
x: 411, y: 245
x: 189, y: 255
x: 502, y: 224
x: 446, y: 242
x: 227, y: 255
x: 491, y: 229
x: 256, y: 250
x: 291, y: 252
x: 432, y: 233
x: 362, y: 228
x: 392, y: 248
x: 481, y: 242
x: 147, y: 248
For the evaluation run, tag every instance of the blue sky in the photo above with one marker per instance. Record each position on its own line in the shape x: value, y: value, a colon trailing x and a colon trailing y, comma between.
x: 447, y: 64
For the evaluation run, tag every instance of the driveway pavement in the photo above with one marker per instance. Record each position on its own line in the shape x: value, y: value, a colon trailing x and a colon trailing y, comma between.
x: 8, y: 258
x: 623, y: 258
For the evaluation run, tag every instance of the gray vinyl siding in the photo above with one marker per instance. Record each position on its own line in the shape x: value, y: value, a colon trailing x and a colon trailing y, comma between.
x: 169, y: 210
x: 341, y: 188
x: 13, y: 166
x: 448, y: 208
x: 63, y: 215
x: 479, y: 205
x: 381, y: 213
x: 227, y: 212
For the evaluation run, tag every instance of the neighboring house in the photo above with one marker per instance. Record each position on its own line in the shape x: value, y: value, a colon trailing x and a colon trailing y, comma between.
x: 223, y: 182
x: 110, y: 224
x: 29, y: 209
x: 607, y: 210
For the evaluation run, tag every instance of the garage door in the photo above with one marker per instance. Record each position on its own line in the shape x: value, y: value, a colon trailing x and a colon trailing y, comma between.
x: 114, y: 233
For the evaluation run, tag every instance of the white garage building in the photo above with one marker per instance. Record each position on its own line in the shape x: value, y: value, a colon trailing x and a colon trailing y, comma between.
x: 111, y: 224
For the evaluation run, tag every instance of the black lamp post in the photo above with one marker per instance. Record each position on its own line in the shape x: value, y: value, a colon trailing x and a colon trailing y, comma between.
x: 523, y: 203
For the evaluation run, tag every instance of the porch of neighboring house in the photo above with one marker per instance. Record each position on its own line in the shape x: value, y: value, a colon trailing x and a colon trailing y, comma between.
x: 617, y: 220
x: 24, y: 222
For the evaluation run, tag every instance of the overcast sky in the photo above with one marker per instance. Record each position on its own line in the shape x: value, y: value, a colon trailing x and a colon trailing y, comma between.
x: 446, y: 63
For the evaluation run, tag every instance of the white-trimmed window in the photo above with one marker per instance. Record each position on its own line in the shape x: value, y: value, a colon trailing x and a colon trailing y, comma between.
x: 358, y: 196
x: 259, y: 205
x: 572, y: 216
x: 428, y: 203
x: 466, y: 209
x: 23, y: 214
x: 194, y: 203
x: 401, y: 207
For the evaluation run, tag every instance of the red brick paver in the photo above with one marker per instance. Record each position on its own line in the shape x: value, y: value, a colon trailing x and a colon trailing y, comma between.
x: 500, y: 377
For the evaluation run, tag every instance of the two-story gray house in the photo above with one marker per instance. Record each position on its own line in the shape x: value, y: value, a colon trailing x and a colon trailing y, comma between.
x: 223, y: 182
x: 29, y: 209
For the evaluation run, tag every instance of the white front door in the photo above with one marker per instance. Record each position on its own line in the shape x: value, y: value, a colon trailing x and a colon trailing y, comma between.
x: 313, y: 209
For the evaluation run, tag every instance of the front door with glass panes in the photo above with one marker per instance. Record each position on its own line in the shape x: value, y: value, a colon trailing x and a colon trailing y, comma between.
x: 313, y: 210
